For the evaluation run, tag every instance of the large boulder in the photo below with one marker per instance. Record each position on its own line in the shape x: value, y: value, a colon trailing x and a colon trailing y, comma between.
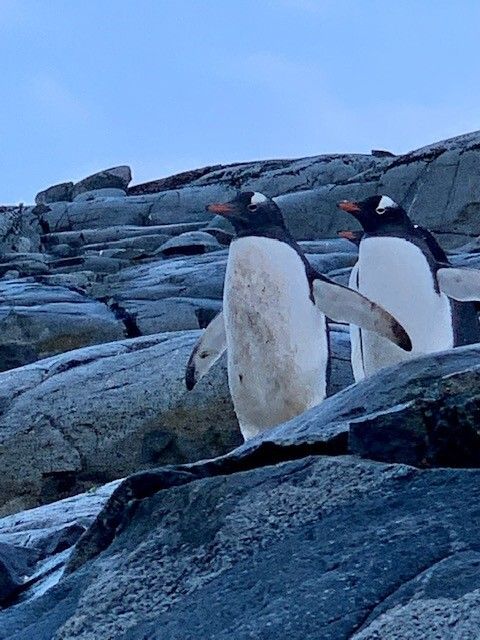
x: 57, y: 193
x: 39, y: 320
x: 114, y: 178
x: 324, y: 430
x: 317, y: 548
x: 166, y: 295
x: 19, y: 230
x: 35, y: 544
x: 99, y: 413
x: 189, y: 244
x: 194, y: 549
x: 186, y: 292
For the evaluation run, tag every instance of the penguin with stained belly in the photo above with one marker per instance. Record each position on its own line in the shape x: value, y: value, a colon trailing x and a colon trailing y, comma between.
x: 402, y: 268
x: 273, y: 323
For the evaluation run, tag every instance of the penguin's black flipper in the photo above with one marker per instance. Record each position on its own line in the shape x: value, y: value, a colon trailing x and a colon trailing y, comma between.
x: 460, y: 284
x: 342, y: 304
x: 437, y: 252
x: 207, y: 350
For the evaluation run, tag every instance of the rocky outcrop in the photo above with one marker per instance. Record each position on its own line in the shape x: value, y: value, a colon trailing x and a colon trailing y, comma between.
x: 255, y: 536
x: 39, y: 320
x: 436, y: 184
x: 35, y: 544
x: 357, y: 519
x: 93, y: 415
x: 57, y: 193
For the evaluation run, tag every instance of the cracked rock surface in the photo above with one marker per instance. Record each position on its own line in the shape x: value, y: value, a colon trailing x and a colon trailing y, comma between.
x: 130, y: 510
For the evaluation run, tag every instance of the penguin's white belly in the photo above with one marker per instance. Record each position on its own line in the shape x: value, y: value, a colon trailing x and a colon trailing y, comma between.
x: 394, y: 273
x: 277, y: 347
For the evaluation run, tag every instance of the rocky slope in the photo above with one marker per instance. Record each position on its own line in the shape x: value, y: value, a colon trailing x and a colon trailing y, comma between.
x: 358, y: 519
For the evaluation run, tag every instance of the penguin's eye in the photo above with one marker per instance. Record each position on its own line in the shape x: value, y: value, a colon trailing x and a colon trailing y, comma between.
x: 381, y: 210
x: 252, y: 207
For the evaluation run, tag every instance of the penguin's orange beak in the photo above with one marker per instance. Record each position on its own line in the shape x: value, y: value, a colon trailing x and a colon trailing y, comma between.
x: 221, y: 208
x: 349, y: 206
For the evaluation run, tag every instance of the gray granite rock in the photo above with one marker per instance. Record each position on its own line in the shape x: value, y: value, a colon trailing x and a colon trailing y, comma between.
x: 39, y: 320
x: 169, y: 294
x: 27, y: 264
x: 95, y: 414
x: 19, y: 230
x: 100, y: 264
x: 359, y: 544
x: 77, y: 239
x: 437, y: 184
x: 190, y: 244
x: 114, y: 178
x: 99, y: 194
x: 57, y: 193
x: 186, y: 204
x: 41, y: 540
x: 95, y: 214
x: 133, y: 249
x: 221, y: 229
x: 15, y: 564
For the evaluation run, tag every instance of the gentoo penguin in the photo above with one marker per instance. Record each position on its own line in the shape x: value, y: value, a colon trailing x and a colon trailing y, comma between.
x: 273, y: 324
x: 402, y: 267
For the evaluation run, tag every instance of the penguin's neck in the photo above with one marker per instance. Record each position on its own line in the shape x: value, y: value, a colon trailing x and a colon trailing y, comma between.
x: 268, y: 231
x: 392, y: 229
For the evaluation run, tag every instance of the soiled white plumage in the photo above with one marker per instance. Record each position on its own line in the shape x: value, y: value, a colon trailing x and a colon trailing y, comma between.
x: 395, y: 273
x: 277, y: 343
x: 355, y: 335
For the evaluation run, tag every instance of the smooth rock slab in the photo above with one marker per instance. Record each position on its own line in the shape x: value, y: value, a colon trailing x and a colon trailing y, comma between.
x: 39, y: 320
x: 96, y: 414
x: 114, y: 178
x: 318, y: 549
x: 77, y: 239
x: 443, y: 382
x: 188, y: 244
x: 57, y: 193
x: 40, y: 541
x: 169, y: 294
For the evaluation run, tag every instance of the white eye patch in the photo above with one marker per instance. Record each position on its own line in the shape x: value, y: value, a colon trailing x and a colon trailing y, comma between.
x: 257, y: 198
x: 385, y: 203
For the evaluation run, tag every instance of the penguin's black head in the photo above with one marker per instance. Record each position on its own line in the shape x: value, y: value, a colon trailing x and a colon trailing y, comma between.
x: 250, y: 211
x: 378, y: 213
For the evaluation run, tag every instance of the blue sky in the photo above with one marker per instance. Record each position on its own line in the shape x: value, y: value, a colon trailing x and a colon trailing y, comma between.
x: 168, y: 85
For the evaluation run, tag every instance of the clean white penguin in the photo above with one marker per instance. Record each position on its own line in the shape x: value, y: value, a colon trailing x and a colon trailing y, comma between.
x: 402, y: 268
x: 273, y: 323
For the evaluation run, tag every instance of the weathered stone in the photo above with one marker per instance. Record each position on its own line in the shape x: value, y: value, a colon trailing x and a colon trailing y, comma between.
x: 96, y: 414
x: 169, y: 294
x: 38, y: 320
x: 83, y: 237
x: 41, y: 541
x: 382, y: 153
x: 185, y: 205
x: 114, y: 178
x: 19, y: 230
x: 15, y: 564
x: 221, y: 229
x: 200, y: 557
x: 57, y: 193
x: 438, y: 431
x: 100, y: 194
x: 190, y: 244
